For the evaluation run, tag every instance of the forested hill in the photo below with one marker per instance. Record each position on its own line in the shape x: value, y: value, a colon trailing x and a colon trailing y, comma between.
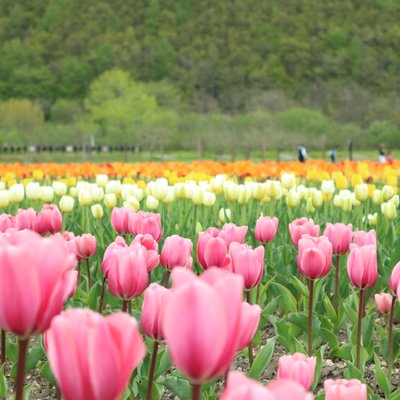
x: 220, y: 54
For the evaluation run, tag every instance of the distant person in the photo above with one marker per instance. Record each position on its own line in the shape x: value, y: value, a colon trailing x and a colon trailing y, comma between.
x: 382, y: 154
x: 389, y: 158
x: 302, y: 154
x: 332, y: 155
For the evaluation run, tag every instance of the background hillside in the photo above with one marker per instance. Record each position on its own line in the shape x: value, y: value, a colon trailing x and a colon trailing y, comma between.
x: 206, y: 74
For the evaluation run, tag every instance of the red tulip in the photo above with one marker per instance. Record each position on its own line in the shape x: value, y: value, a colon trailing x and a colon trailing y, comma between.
x: 383, y: 302
x: 155, y: 300
x: 92, y: 357
x: 49, y: 219
x: 297, y: 367
x: 26, y: 219
x: 340, y: 235
x: 362, y: 238
x: 127, y: 272
x: 146, y: 222
x: 248, y: 324
x: 395, y: 278
x: 120, y: 218
x: 266, y: 228
x: 6, y: 222
x: 85, y: 246
x: 248, y: 263
x: 362, y: 266
x: 343, y: 389
x: 203, y: 344
x: 176, y: 252
x: 212, y: 252
x: 286, y: 389
x: 314, y: 258
x: 35, y: 281
x: 300, y: 227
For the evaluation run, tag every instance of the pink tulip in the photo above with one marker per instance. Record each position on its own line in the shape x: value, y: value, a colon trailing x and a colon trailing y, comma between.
x: 117, y: 244
x: 92, y: 357
x: 176, y: 252
x: 35, y: 281
x: 395, y: 278
x: 6, y: 222
x: 340, y: 235
x: 248, y: 324
x: 232, y: 233
x: 71, y: 285
x: 120, y: 218
x: 248, y: 263
x: 212, y: 252
x: 266, y: 228
x: 85, y: 246
x: 299, y: 368
x: 26, y: 219
x: 49, y: 219
x: 314, y: 258
x: 286, y: 389
x: 362, y: 238
x: 152, y: 257
x: 68, y: 236
x: 362, y: 266
x: 127, y: 272
x: 239, y: 387
x: 343, y: 389
x: 203, y: 344
x: 383, y: 302
x: 146, y: 222
x: 300, y: 227
x: 155, y: 300
x: 147, y: 241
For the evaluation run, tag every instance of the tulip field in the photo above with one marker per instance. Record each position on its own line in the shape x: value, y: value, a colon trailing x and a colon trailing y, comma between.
x: 207, y: 280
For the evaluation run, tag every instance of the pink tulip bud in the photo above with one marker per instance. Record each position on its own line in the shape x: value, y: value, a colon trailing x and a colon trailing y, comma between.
x: 176, y: 252
x: 118, y: 243
x: 248, y: 263
x: 266, y: 228
x: 300, y: 227
x: 395, y: 278
x: 248, y: 324
x: 361, y: 238
x: 212, y: 252
x: 85, y: 246
x: 127, y: 272
x: 6, y: 222
x: 286, y: 389
x: 26, y: 219
x: 113, y: 347
x: 314, y: 258
x: 39, y: 272
x: 239, y: 387
x: 340, y: 235
x: 146, y: 222
x: 232, y: 233
x: 120, y: 218
x: 362, y: 266
x: 343, y: 389
x: 383, y: 302
x: 298, y: 368
x: 49, y: 219
x: 203, y: 344
x: 153, y: 310
x: 68, y: 236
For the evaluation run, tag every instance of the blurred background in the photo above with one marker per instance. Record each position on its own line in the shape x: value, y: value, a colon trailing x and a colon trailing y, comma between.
x: 218, y: 79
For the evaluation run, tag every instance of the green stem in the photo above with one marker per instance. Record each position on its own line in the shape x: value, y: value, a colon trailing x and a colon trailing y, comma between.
x: 103, y: 289
x: 151, y: 370
x: 196, y: 391
x: 250, y: 345
x: 19, y: 382
x: 3, y: 347
x: 360, y: 317
x: 125, y: 305
x: 390, y: 334
x: 88, y: 273
x: 166, y: 278
x: 337, y: 282
x: 310, y: 314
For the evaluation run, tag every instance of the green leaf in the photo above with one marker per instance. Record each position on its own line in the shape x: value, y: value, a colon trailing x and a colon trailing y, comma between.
x: 33, y: 357
x: 289, y: 303
x: 163, y: 363
x: 93, y: 296
x: 178, y: 386
x: 329, y: 309
x: 46, y: 372
x: 395, y: 395
x: 351, y: 314
x: 262, y: 359
x: 155, y: 392
x: 381, y: 378
x: 318, y: 368
x: 3, y: 383
x: 330, y: 337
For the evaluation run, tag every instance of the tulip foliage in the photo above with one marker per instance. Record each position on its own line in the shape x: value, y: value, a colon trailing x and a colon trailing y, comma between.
x: 115, y: 289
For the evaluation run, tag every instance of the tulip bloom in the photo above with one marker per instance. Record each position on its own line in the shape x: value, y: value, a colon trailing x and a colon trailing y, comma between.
x: 26, y: 219
x: 85, y: 246
x: 120, y: 218
x: 395, y: 278
x: 176, y: 252
x: 147, y: 241
x: 233, y: 233
x: 361, y: 238
x: 300, y: 227
x: 340, y: 235
x: 6, y: 222
x: 212, y: 251
x: 39, y: 272
x: 250, y: 319
x: 287, y: 389
x: 362, y: 266
x: 383, y: 302
x: 152, y: 257
x: 203, y: 344
x: 343, y: 389
x: 314, y: 258
x: 298, y: 368
x: 266, y: 228
x: 117, y: 244
x: 113, y: 347
x: 146, y: 222
x: 247, y: 262
x: 49, y: 219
